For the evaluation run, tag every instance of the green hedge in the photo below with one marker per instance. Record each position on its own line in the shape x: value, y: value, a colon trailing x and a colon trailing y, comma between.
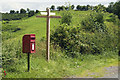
x: 92, y: 37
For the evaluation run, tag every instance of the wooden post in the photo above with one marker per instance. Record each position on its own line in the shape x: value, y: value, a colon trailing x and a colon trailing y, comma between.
x: 28, y: 61
x: 48, y: 35
x: 48, y: 30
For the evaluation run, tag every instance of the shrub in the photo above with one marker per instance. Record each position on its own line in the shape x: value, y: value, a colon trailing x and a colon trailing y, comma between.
x: 16, y: 16
x: 93, y: 38
x: 11, y: 54
x: 31, y: 13
x: 112, y: 18
x: 94, y: 22
x: 66, y: 18
x: 73, y: 40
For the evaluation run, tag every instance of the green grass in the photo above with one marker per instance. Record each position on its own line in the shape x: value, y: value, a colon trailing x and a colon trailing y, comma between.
x: 59, y: 65
x: 37, y: 26
x: 32, y: 25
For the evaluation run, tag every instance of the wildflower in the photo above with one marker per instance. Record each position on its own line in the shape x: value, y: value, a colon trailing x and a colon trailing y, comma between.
x: 4, y: 74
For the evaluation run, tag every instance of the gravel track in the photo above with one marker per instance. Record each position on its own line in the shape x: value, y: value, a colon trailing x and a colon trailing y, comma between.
x: 109, y: 72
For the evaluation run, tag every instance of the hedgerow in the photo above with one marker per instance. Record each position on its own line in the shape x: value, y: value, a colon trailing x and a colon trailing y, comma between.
x: 92, y: 37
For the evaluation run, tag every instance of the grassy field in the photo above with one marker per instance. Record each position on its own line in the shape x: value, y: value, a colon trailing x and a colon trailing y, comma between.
x: 37, y: 26
x: 59, y: 65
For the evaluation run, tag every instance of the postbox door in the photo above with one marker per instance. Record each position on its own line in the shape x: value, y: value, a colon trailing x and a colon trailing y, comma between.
x: 26, y: 44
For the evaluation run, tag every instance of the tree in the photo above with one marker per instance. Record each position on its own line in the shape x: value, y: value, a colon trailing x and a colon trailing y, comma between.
x: 91, y: 7
x: 12, y: 11
x: 83, y: 8
x: 66, y: 18
x: 63, y: 7
x: 72, y: 6
x: 58, y: 8
x: 31, y: 13
x: 37, y: 11
x: 52, y: 7
x: 28, y: 10
x: 116, y: 9
x: 66, y: 8
x: 88, y: 7
x: 17, y: 12
x: 22, y: 11
x: 100, y: 8
x: 110, y: 7
x: 78, y: 7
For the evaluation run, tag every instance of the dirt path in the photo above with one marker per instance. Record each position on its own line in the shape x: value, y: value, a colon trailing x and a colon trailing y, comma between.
x: 109, y: 72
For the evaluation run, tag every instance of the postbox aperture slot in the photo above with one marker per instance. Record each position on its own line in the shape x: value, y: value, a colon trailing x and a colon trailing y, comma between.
x: 32, y: 37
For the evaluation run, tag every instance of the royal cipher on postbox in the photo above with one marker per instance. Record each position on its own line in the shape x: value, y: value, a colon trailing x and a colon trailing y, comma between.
x: 28, y: 44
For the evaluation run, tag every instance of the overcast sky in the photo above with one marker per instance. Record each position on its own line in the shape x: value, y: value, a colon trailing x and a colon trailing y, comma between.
x: 7, y: 5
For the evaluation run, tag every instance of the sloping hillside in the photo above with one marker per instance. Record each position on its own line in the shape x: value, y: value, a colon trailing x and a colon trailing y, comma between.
x: 60, y: 65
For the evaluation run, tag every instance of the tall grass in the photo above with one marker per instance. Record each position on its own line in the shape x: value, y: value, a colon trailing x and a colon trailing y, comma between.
x: 60, y: 65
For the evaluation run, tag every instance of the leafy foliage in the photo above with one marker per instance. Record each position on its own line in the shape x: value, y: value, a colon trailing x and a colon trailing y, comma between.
x: 112, y: 18
x: 31, y: 13
x: 92, y: 37
x: 100, y: 8
x: 117, y: 9
x: 60, y: 8
x: 66, y: 17
x: 11, y: 54
x: 8, y: 17
x: 110, y: 7
x: 37, y: 11
x: 94, y: 22
x: 12, y: 11
x: 22, y: 11
x: 79, y: 41
x: 72, y: 7
x: 15, y: 15
x: 52, y: 7
x: 114, y: 8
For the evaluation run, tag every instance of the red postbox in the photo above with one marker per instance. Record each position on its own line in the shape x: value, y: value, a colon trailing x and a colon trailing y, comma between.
x: 29, y: 43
